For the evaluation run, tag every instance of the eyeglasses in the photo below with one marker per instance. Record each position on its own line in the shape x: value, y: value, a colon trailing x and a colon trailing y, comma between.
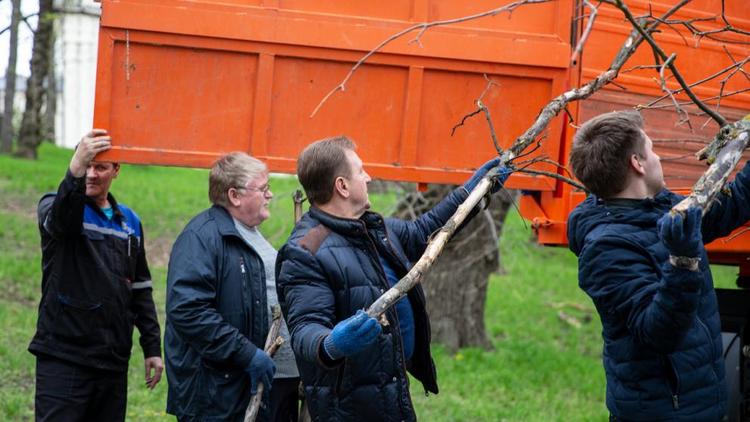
x: 263, y: 189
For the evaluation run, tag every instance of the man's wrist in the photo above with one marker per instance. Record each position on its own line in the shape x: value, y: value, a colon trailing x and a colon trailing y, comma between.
x: 76, y: 168
x: 330, y: 349
x: 685, y: 262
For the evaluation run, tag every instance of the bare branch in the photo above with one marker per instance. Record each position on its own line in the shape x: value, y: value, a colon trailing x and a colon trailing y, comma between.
x: 422, y: 27
x: 555, y: 176
x: 656, y: 48
x: 723, y: 153
x: 486, y: 111
x: 680, y: 111
x: 702, y: 81
x: 480, y: 108
x: 586, y: 32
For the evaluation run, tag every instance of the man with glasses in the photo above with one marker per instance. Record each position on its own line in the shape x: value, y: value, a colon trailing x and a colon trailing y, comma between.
x: 220, y: 287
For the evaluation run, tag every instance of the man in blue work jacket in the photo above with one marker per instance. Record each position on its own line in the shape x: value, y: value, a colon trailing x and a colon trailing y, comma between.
x: 96, y: 286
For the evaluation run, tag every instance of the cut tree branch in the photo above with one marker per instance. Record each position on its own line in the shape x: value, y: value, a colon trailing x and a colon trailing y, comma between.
x: 273, y: 342
x: 436, y: 245
x: 723, y: 153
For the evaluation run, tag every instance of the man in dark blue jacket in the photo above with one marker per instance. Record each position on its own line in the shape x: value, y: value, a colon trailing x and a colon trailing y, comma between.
x: 219, y: 287
x: 338, y: 260
x: 96, y: 286
x: 647, y: 273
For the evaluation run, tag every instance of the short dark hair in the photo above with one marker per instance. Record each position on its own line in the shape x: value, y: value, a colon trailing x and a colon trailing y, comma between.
x: 320, y: 163
x: 602, y: 148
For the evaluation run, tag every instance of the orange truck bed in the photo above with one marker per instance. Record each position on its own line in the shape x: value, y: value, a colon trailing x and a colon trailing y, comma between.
x: 180, y: 82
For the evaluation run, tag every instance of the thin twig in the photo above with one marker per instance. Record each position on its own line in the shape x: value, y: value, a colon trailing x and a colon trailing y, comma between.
x: 555, y: 176
x: 586, y: 32
x: 656, y: 48
x: 493, y: 135
x: 422, y: 28
x: 663, y: 82
x: 704, y: 80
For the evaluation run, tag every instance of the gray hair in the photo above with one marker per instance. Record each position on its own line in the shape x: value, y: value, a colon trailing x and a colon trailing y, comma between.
x: 233, y: 170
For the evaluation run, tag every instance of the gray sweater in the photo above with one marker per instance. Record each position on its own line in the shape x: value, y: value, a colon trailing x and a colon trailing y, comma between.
x: 286, y: 367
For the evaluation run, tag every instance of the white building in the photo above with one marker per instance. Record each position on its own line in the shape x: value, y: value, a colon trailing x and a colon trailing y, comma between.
x: 76, y: 43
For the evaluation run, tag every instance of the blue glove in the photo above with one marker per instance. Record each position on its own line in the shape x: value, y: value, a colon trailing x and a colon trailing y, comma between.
x: 682, y: 238
x: 351, y: 336
x: 482, y: 171
x: 261, y: 369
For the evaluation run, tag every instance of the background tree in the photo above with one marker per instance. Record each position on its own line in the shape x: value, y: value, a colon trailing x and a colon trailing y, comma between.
x: 6, y: 130
x: 456, y: 286
x: 30, y: 134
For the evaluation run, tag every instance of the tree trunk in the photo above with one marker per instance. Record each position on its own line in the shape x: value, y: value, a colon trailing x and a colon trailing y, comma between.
x: 6, y: 130
x: 50, y: 106
x: 30, y: 134
x: 456, y: 285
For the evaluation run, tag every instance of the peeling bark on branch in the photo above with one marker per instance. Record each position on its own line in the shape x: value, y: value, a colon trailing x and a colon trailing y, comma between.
x: 724, y: 152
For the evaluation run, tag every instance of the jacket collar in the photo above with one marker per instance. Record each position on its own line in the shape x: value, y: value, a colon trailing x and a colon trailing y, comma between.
x: 112, y: 202
x: 353, y: 227
x: 224, y: 221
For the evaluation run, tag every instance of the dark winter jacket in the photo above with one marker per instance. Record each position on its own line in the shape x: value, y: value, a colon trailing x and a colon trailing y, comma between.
x: 216, y: 318
x: 95, y: 282
x: 661, y: 328
x: 330, y: 268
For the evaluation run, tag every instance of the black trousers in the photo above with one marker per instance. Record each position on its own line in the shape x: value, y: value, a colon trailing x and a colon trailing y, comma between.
x: 283, y: 403
x: 69, y: 392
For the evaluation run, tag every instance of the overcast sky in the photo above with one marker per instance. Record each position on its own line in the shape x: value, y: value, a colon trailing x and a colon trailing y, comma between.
x: 25, y: 36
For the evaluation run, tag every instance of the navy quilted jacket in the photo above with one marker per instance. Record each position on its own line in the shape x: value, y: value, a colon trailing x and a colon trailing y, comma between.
x: 328, y: 269
x: 661, y: 328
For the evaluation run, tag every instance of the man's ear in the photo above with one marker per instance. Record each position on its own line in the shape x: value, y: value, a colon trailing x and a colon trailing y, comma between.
x: 635, y: 164
x: 116, y: 168
x: 233, y: 197
x: 341, y: 187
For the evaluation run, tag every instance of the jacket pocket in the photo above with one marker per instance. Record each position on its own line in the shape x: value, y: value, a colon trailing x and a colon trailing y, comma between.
x: 78, y: 320
x: 227, y: 391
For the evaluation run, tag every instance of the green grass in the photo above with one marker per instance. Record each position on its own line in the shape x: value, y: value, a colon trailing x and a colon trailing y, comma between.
x: 542, y: 369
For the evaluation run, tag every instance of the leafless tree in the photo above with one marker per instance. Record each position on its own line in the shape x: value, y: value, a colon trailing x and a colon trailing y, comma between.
x: 6, y: 130
x: 30, y: 134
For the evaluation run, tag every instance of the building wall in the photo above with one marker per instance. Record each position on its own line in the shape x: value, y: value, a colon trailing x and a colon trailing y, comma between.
x: 75, y: 59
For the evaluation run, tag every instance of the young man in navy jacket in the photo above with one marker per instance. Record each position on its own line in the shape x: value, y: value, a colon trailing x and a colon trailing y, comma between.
x: 647, y: 273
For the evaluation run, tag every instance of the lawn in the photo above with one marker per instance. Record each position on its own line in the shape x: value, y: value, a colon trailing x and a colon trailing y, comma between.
x: 543, y: 367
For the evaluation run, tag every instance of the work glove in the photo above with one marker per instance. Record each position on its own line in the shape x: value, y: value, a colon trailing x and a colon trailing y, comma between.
x: 682, y: 236
x: 351, y: 336
x: 261, y: 369
x: 502, y: 176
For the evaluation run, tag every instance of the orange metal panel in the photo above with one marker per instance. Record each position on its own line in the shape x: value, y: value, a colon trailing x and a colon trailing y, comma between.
x: 193, y: 79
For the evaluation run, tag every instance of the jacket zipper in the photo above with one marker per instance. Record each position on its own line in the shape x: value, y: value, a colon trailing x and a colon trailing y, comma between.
x: 708, y: 335
x: 402, y: 368
x: 247, y: 299
x: 676, y: 390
